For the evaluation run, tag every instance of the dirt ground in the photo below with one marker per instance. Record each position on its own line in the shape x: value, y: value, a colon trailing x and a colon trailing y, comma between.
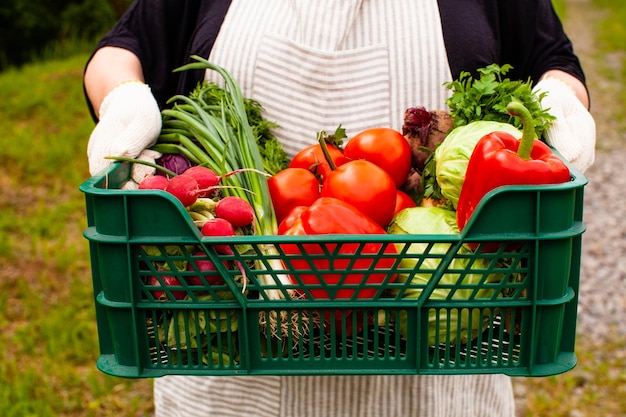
x: 580, y: 23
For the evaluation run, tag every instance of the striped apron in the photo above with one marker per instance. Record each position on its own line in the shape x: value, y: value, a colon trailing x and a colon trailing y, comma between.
x: 315, y: 65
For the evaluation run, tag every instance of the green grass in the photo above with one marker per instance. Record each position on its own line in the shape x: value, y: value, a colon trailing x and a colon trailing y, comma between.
x: 560, y: 7
x: 43, y: 112
x: 612, y: 30
x: 596, y: 387
x: 48, y: 339
x: 611, y: 46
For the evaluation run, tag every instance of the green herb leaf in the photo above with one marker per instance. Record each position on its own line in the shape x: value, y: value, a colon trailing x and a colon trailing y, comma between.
x: 336, y: 138
x: 486, y: 98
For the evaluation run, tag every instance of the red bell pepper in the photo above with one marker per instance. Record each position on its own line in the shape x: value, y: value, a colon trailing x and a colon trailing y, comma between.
x: 500, y: 159
x: 328, y: 266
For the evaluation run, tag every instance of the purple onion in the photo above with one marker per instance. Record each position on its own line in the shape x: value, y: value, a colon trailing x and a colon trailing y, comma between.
x: 174, y: 162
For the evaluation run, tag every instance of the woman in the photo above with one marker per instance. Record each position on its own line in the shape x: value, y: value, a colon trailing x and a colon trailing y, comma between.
x: 315, y: 64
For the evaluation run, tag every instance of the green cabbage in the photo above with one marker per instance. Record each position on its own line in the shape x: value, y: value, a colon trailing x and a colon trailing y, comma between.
x: 452, y: 156
x: 472, y: 272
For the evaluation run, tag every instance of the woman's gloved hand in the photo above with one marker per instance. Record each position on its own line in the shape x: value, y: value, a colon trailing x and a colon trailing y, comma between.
x: 130, y: 122
x: 573, y: 133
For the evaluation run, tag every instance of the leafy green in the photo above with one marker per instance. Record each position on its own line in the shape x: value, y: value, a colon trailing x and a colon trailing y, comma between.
x: 210, y: 95
x: 169, y: 257
x: 468, y: 277
x: 190, y: 330
x: 486, y: 98
x: 335, y: 139
x: 431, y: 187
x: 453, y: 154
x: 218, y: 132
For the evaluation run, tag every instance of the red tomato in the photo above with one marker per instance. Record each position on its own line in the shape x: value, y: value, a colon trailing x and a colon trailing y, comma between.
x: 403, y: 200
x: 290, y: 188
x: 366, y: 186
x: 312, y: 158
x: 384, y: 147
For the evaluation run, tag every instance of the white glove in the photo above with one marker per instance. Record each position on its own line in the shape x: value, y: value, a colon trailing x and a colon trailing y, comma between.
x: 573, y: 133
x: 130, y: 122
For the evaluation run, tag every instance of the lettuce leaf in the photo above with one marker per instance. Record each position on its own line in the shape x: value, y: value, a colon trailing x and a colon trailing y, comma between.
x: 468, y: 277
x: 452, y: 156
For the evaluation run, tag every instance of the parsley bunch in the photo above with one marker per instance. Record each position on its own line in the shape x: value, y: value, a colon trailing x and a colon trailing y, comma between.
x: 273, y: 155
x: 486, y: 98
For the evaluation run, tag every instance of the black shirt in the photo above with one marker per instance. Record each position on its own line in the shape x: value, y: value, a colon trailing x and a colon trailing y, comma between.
x: 526, y: 34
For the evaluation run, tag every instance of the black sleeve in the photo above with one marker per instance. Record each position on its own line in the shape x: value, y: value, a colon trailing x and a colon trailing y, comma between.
x: 534, y: 41
x: 526, y: 34
x: 163, y: 34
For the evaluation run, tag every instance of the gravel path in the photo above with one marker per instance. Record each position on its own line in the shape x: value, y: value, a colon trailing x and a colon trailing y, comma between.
x: 602, y: 301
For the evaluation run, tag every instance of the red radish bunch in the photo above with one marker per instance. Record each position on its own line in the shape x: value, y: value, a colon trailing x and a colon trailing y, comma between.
x: 203, y: 264
x: 165, y: 281
x: 230, y: 212
x: 154, y: 182
x: 183, y: 188
x: 236, y: 210
x: 205, y: 177
x: 219, y: 227
x: 197, y: 181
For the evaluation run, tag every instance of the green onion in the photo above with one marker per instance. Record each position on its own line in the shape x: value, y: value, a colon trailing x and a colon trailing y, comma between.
x: 221, y: 138
x: 229, y: 143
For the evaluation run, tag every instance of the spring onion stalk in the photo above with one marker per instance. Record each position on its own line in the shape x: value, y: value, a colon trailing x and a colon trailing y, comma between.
x: 229, y: 143
x: 221, y: 138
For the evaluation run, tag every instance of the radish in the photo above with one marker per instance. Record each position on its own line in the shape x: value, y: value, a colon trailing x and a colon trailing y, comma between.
x: 195, y: 182
x: 184, y: 188
x: 204, y: 265
x: 219, y: 227
x: 206, y: 178
x: 222, y: 227
x: 153, y: 182
x: 168, y: 281
x: 236, y: 210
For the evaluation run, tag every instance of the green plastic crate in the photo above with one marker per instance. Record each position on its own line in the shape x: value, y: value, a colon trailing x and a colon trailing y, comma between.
x: 522, y: 324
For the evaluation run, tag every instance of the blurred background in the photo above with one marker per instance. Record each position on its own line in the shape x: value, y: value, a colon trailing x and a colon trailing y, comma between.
x: 48, y: 344
x: 39, y: 28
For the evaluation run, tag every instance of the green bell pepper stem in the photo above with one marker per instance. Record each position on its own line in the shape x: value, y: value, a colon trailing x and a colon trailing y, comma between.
x: 517, y: 109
